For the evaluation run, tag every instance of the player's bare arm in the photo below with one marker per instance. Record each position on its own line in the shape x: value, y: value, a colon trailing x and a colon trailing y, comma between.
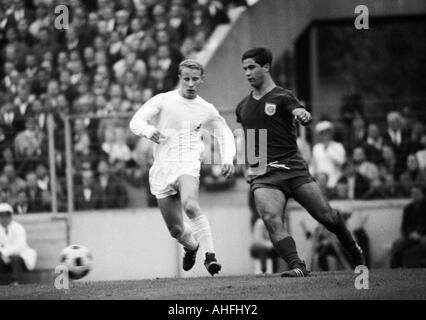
x: 302, y: 115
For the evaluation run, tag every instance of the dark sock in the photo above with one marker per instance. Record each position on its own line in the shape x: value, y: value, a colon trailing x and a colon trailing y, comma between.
x: 286, y: 248
x: 343, y: 234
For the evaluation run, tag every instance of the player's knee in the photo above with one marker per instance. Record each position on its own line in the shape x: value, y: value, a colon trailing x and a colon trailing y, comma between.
x: 191, y: 207
x: 270, y: 217
x: 176, y: 231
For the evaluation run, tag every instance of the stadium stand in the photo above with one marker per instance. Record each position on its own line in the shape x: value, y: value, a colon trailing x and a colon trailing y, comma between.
x: 113, y: 56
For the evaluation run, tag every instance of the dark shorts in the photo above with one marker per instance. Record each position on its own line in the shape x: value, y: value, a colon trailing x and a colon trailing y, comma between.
x: 285, y: 181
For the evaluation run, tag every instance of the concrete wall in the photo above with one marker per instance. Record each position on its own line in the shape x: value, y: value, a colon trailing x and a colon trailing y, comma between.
x: 135, y: 244
x: 382, y: 224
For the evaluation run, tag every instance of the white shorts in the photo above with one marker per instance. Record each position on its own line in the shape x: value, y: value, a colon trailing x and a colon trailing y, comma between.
x: 163, y: 178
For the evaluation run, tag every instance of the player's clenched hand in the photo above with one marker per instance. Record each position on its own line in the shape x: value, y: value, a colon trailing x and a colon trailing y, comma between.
x: 228, y: 170
x: 302, y: 115
x: 157, y: 136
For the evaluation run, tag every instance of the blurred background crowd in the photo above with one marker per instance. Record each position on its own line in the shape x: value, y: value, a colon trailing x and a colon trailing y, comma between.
x: 358, y: 158
x: 113, y: 56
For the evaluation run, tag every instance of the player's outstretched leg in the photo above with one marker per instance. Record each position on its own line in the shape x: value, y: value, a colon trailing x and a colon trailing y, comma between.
x: 171, y: 211
x: 188, y: 187
x: 311, y: 198
x: 270, y: 203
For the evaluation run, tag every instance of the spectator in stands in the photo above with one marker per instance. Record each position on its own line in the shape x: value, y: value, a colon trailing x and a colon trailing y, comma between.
x: 15, y: 183
x: 24, y: 34
x: 113, y: 192
x: 358, y: 134
x: 410, y: 249
x: 328, y: 155
x: 89, y: 61
x: 15, y: 254
x: 168, y: 66
x: 4, y: 189
x: 38, y: 200
x: 373, y: 144
x: 41, y: 79
x: 44, y: 183
x: 21, y: 205
x: 352, y: 184
x: 122, y: 26
x: 67, y: 87
x: 388, y: 164
x: 198, y: 21
x: 414, y: 140
x: 61, y: 72
x: 366, y: 169
x: 129, y: 63
x: 3, y: 141
x: 31, y: 66
x: 115, y: 45
x: 6, y: 157
x: 413, y: 176
x: 262, y: 249
x: 397, y: 137
x: 15, y: 51
x: 421, y: 154
x: 87, y: 195
x: 7, y: 120
x: 115, y: 145
x: 28, y: 146
x: 22, y: 105
x: 42, y: 20
x: 177, y: 22
x: 216, y: 11
x: 4, y: 22
x: 9, y: 82
x: 162, y: 37
x: 116, y: 103
x: 45, y: 43
x: 81, y: 140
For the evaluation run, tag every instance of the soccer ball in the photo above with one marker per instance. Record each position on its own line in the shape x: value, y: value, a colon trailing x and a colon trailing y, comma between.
x: 77, y: 259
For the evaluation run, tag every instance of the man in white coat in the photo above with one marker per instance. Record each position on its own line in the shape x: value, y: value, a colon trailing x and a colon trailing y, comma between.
x: 15, y: 254
x: 328, y: 155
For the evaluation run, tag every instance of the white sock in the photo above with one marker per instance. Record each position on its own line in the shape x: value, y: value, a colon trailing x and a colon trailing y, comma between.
x: 187, y: 238
x: 202, y: 233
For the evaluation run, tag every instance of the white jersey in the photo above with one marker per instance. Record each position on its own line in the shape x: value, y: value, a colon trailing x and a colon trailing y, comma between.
x: 182, y: 122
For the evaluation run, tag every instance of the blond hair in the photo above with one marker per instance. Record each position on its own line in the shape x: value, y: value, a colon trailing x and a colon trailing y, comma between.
x: 191, y: 64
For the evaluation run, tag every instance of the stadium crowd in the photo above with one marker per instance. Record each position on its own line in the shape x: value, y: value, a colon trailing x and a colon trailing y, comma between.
x: 370, y: 161
x: 114, y: 56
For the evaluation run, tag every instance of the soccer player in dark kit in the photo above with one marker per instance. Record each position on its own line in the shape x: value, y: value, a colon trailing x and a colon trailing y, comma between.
x: 281, y: 172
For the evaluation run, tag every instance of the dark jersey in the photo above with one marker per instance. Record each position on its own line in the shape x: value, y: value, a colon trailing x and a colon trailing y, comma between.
x: 273, y: 113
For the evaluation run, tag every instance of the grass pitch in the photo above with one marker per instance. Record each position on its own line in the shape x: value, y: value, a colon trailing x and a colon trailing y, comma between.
x: 393, y: 284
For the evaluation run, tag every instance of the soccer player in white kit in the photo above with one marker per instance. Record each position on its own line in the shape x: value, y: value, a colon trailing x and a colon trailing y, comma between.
x: 174, y: 120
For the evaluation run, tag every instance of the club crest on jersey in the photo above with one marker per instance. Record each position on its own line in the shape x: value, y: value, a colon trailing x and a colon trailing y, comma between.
x: 270, y: 108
